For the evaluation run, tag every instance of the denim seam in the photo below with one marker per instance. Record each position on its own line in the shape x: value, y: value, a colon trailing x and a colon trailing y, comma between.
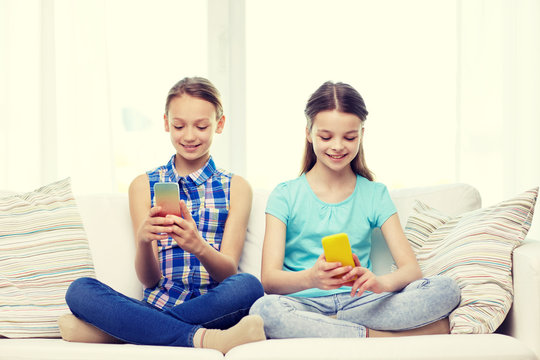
x: 304, y: 304
x: 361, y: 303
x: 192, y: 334
x: 348, y: 325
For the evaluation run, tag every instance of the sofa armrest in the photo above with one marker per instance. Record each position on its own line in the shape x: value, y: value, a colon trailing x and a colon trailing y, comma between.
x: 523, y: 320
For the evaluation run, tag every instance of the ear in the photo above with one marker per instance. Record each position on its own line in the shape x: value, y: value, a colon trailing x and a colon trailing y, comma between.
x: 166, y: 124
x: 220, y: 125
x: 308, y: 136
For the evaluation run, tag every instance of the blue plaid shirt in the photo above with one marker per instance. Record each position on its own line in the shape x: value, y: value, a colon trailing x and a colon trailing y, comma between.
x: 206, y: 193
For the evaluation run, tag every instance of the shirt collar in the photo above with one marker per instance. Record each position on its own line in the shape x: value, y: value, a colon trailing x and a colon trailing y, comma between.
x: 197, y: 177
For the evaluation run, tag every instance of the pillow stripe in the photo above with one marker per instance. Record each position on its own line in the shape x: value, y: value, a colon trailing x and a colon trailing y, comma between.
x: 475, y: 249
x: 43, y: 248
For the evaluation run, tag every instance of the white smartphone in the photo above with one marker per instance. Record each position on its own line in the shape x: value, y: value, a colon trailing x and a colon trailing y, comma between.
x: 167, y: 197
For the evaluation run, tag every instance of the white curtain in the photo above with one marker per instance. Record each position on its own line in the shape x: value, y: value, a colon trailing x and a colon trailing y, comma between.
x: 55, y: 102
x: 20, y: 93
x: 499, y: 98
x: 82, y: 87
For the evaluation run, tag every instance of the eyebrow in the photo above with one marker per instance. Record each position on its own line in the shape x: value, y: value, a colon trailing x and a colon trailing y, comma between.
x: 195, y: 121
x: 348, y: 132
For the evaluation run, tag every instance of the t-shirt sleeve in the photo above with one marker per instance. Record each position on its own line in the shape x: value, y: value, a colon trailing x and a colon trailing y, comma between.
x: 278, y: 203
x: 383, y: 206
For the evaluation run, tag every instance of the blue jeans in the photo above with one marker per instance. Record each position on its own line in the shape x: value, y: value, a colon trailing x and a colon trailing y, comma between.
x: 420, y: 303
x: 138, y: 322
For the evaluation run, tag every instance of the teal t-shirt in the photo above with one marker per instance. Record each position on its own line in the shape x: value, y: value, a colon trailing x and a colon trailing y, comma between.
x: 308, y: 220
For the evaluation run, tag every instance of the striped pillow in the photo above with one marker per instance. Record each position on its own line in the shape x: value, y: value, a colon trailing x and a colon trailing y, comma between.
x: 475, y: 249
x: 43, y: 248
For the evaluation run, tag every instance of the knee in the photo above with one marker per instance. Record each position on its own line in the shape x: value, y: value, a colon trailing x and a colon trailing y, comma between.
x: 454, y: 291
x: 266, y: 307
x: 253, y: 287
x: 271, y: 311
x: 448, y: 289
x: 79, y: 291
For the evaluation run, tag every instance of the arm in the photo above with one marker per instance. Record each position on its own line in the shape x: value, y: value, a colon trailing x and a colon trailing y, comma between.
x: 148, y: 228
x: 224, y: 263
x: 408, y: 268
x: 277, y: 281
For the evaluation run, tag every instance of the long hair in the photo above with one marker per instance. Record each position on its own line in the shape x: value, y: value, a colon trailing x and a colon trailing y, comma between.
x: 198, y: 87
x: 344, y: 98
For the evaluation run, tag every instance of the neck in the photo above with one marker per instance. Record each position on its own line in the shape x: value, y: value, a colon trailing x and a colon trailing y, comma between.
x: 185, y: 167
x: 330, y: 177
x: 331, y: 186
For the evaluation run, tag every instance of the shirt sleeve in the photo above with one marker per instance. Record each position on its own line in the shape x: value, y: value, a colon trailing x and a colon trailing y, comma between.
x: 278, y: 203
x: 383, y: 206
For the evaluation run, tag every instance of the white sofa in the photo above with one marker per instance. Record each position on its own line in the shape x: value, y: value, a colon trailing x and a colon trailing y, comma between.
x: 108, y: 227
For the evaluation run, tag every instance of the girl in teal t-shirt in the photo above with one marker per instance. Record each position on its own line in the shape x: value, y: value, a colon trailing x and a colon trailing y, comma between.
x: 310, y: 297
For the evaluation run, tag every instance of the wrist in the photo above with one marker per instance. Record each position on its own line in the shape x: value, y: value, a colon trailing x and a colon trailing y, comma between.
x: 310, y: 279
x: 202, y: 250
x: 143, y: 243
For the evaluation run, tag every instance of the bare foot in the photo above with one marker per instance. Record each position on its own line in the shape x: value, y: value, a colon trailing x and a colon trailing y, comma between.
x: 74, y: 329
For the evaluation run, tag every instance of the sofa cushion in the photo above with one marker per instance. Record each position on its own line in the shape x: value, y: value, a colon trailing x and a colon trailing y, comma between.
x: 475, y: 249
x: 426, y: 347
x: 43, y: 248
x: 55, y: 349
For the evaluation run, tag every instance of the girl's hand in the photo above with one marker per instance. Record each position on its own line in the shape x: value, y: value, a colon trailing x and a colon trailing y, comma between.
x: 365, y: 280
x: 328, y: 275
x: 154, y: 227
x: 185, y: 232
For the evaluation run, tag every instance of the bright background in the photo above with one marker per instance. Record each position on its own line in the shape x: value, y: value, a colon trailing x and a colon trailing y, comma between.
x: 452, y: 87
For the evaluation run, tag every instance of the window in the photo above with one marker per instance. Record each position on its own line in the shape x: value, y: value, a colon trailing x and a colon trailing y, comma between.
x: 158, y: 44
x: 404, y: 67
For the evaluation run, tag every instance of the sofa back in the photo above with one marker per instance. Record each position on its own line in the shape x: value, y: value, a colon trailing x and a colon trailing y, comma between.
x: 107, y: 223
x: 108, y: 227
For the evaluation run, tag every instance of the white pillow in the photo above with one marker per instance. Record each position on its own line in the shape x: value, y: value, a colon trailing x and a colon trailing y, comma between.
x: 475, y: 249
x: 43, y: 248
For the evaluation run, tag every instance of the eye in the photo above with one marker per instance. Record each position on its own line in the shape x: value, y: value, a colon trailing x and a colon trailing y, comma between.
x: 202, y: 127
x: 351, y: 138
x: 324, y: 138
x: 178, y: 127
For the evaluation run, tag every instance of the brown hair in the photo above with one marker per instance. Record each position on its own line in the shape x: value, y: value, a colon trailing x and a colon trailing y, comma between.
x: 198, y: 87
x: 344, y: 98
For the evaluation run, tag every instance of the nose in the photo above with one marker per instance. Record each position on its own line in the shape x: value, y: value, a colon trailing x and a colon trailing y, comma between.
x: 337, y: 145
x: 189, y: 134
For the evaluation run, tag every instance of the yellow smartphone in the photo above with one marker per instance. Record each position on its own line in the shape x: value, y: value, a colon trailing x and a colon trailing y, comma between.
x: 338, y: 249
x: 167, y: 196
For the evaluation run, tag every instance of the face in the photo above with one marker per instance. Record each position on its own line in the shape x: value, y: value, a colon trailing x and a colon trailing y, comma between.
x: 192, y: 123
x: 336, y: 138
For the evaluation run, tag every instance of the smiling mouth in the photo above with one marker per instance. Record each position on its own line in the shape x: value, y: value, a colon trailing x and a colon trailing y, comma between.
x: 190, y: 147
x: 337, y: 157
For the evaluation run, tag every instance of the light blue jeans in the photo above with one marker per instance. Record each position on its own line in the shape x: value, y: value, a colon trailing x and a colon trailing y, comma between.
x: 420, y: 303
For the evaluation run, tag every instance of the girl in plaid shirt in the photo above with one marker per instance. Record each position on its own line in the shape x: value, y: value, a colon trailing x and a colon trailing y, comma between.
x: 188, y: 265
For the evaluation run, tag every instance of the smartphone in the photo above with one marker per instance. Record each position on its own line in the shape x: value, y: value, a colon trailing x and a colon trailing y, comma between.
x: 338, y: 249
x: 166, y: 196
